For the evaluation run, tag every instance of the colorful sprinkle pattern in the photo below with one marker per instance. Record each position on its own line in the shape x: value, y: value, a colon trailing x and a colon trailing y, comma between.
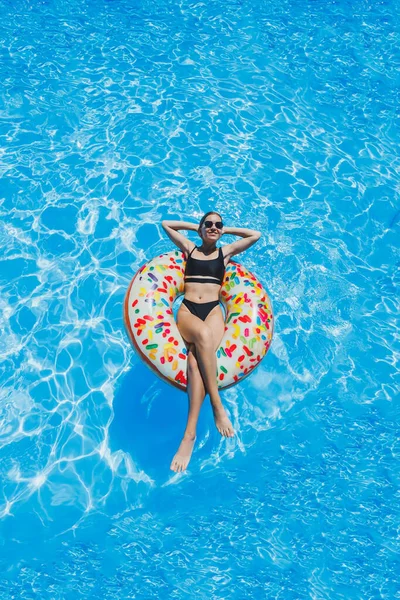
x: 150, y: 322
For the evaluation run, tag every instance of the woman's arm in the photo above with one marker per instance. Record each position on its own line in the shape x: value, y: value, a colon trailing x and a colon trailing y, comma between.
x: 171, y: 229
x: 250, y: 237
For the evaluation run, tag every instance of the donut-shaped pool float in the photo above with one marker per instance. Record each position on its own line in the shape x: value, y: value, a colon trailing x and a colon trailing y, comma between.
x: 150, y: 323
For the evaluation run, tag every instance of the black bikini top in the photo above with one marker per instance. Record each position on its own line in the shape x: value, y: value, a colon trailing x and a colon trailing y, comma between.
x: 206, y: 268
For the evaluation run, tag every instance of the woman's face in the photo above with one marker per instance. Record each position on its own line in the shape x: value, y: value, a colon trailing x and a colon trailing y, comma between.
x: 212, y: 228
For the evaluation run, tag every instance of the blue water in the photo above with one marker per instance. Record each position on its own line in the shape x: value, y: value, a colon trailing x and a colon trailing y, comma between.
x: 283, y: 116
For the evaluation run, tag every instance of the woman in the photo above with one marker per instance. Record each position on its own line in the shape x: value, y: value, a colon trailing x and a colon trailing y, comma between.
x: 200, y: 319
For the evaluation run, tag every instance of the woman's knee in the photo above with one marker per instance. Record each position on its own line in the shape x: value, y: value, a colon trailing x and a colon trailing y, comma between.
x: 204, y: 338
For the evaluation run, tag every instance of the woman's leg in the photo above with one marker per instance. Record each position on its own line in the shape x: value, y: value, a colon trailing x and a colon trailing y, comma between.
x: 196, y: 394
x: 214, y: 326
x: 201, y: 334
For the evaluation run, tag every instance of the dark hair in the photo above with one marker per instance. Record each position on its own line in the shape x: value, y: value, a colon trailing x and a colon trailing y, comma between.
x: 204, y: 217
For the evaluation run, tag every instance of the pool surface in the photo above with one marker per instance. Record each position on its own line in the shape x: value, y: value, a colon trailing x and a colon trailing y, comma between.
x: 283, y: 116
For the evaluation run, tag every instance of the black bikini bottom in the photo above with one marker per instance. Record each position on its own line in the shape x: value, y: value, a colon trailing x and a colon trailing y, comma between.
x: 201, y: 310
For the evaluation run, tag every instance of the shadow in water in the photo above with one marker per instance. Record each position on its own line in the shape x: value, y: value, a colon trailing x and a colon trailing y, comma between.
x: 149, y: 421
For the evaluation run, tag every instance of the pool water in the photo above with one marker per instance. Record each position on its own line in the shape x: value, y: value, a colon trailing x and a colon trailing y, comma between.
x: 283, y: 116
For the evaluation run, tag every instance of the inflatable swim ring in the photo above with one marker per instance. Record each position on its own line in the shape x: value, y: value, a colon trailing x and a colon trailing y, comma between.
x: 151, y: 326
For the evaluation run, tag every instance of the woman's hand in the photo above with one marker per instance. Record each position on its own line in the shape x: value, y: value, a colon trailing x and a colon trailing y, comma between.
x: 171, y: 229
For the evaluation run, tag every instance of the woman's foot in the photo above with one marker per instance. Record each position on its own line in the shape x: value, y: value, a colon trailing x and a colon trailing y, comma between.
x: 222, y: 421
x: 182, y: 457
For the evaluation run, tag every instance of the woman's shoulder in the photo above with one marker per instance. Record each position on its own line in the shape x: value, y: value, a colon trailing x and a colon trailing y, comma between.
x: 190, y: 249
x: 225, y: 254
x: 225, y: 250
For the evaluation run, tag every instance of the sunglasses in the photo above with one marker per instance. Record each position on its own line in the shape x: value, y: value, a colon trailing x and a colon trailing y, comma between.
x: 209, y: 224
